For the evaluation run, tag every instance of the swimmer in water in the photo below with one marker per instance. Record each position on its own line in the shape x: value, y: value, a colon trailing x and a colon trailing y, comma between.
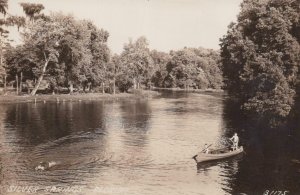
x: 45, y: 165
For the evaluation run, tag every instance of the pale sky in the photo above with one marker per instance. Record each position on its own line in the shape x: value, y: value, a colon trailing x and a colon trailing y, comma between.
x: 167, y: 24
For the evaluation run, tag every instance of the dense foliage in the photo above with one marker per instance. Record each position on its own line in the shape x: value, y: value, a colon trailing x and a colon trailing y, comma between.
x: 68, y: 52
x: 191, y: 67
x: 137, y: 64
x: 261, y: 57
x: 3, y: 36
x: 63, y: 52
x: 196, y: 68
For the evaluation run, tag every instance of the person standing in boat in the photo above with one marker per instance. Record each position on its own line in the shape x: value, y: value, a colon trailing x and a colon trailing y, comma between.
x: 235, y: 141
x: 206, y: 149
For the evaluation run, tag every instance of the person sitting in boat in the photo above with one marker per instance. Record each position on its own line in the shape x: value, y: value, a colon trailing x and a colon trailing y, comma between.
x: 42, y: 166
x: 235, y: 141
x: 206, y: 149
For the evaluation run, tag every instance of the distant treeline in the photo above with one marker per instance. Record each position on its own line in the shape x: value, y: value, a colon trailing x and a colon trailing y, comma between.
x: 61, y: 52
x: 261, y: 59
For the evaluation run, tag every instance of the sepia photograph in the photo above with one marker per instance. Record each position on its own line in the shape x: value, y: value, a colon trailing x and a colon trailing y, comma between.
x: 150, y: 97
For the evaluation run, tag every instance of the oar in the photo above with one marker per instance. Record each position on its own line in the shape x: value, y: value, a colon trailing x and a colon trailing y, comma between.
x: 206, y: 148
x: 202, y: 151
x: 226, y: 142
x: 229, y: 140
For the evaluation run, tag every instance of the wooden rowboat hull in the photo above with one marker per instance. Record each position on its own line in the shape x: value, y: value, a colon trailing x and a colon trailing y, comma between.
x: 202, y: 157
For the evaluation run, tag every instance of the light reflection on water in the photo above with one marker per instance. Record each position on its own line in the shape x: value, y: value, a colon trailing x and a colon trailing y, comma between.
x: 134, y: 146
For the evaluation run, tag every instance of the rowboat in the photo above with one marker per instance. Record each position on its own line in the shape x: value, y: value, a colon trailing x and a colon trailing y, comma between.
x: 217, y: 154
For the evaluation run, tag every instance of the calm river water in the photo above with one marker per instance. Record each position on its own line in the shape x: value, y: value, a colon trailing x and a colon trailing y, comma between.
x: 138, y: 147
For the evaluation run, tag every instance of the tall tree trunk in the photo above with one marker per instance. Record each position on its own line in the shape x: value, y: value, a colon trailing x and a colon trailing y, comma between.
x: 17, y: 84
x: 134, y: 83
x: 103, y: 88
x: 21, y: 82
x: 138, y: 82
x: 5, y: 83
x: 1, y: 63
x: 89, y: 86
x: 114, y: 85
x: 71, y: 87
x: 40, y: 78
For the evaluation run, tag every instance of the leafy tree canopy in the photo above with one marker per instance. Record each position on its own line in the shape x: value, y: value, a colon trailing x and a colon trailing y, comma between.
x: 261, y: 57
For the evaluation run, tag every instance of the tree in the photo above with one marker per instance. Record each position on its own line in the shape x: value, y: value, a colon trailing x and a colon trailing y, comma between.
x: 11, y: 20
x: 209, y: 64
x: 160, y: 60
x: 84, y: 53
x: 115, y: 73
x: 3, y: 39
x: 194, y: 67
x: 123, y: 75
x: 41, y: 39
x: 18, y: 21
x: 97, y: 72
x: 260, y: 56
x: 67, y: 51
x: 3, y: 6
x: 137, y: 60
x: 75, y: 55
x: 182, y: 67
x: 31, y: 9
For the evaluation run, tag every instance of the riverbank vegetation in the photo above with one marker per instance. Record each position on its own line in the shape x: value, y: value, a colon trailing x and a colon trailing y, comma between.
x: 258, y: 62
x: 261, y: 57
x: 78, y: 97
x: 62, y: 54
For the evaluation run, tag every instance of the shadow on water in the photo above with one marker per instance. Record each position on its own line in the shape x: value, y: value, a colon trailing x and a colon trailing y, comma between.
x: 224, y: 169
x: 135, y: 119
x: 74, y: 136
x: 70, y: 135
x: 136, y: 114
x: 271, y: 161
x: 204, y: 166
x: 39, y: 122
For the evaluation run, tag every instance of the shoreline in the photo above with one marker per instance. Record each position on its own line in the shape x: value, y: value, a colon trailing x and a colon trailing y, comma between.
x: 209, y: 90
x: 12, y: 98
x: 77, y: 97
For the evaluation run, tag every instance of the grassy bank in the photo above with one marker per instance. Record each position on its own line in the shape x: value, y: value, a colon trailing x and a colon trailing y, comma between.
x: 191, y: 90
x: 11, y: 98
